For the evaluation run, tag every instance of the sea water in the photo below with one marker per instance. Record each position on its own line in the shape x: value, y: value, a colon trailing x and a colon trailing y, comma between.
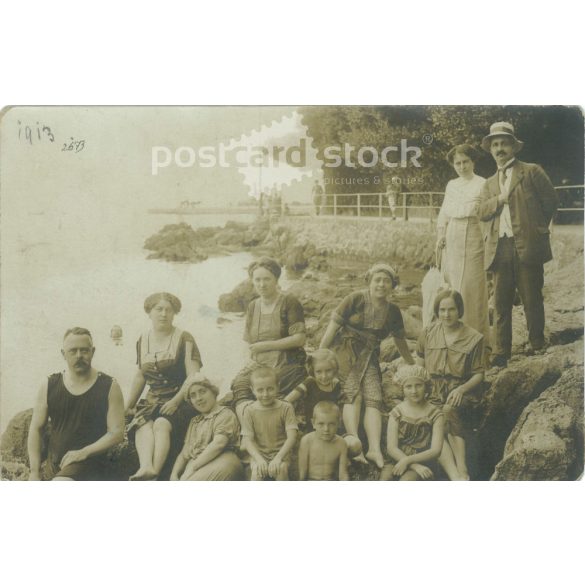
x: 54, y: 278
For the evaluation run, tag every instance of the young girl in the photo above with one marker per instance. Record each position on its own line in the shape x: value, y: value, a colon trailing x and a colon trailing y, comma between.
x: 322, y: 384
x: 453, y: 354
x: 415, y: 429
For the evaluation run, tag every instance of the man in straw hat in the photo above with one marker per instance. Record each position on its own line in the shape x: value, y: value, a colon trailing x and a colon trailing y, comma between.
x: 517, y: 205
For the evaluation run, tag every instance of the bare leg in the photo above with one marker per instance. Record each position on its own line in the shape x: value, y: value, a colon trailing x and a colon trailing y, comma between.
x: 162, y: 443
x: 145, y: 447
x: 409, y: 475
x: 386, y: 474
x: 354, y: 445
x: 458, y: 448
x: 373, y: 425
x: 351, y: 422
x: 62, y: 479
x: 448, y: 462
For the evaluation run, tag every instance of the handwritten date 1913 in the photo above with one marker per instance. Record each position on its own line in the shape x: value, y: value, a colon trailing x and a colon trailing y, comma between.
x: 35, y: 133
x: 38, y: 133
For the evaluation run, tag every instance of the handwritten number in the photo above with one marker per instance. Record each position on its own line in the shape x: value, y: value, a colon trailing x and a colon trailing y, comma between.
x: 73, y: 146
x: 48, y: 132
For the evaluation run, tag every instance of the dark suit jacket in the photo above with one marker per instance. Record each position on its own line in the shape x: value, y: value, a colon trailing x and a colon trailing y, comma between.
x: 533, y: 201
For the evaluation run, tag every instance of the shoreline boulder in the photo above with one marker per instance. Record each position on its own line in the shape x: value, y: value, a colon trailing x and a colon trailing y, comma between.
x: 547, y: 441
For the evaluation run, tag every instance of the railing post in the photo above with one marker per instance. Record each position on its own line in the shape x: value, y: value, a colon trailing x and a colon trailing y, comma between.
x: 431, y: 210
x: 380, y: 205
x: 359, y: 205
x: 405, y: 206
x: 334, y: 204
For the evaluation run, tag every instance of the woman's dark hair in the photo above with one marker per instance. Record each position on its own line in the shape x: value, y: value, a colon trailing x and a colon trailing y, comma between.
x: 464, y: 149
x: 449, y: 294
x: 153, y: 299
x: 268, y: 263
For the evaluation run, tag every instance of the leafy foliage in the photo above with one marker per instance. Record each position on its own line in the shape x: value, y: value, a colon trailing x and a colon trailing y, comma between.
x: 553, y: 137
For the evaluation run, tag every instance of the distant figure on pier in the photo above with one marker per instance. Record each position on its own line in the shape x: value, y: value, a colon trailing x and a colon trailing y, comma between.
x: 317, y: 193
x: 392, y: 193
x: 261, y: 198
x: 277, y: 204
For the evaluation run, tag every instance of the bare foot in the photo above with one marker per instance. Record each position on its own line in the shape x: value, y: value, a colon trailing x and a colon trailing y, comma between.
x: 375, y: 457
x: 143, y: 475
x: 361, y: 459
x: 463, y: 473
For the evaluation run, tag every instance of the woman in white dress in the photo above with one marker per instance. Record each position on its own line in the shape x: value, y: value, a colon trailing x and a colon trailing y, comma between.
x: 460, y: 237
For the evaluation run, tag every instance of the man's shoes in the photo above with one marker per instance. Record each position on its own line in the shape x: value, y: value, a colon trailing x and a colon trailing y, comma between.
x: 535, y: 349
x: 499, y: 361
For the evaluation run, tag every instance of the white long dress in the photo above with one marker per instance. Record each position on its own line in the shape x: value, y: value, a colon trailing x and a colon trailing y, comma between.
x: 464, y: 250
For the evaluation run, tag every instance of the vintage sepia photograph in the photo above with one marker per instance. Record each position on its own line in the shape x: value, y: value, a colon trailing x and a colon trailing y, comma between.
x: 291, y: 293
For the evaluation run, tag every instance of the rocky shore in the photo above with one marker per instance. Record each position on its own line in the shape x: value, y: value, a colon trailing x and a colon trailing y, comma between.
x: 528, y: 419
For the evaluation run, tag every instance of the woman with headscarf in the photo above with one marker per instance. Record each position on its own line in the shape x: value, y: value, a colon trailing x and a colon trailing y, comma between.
x: 166, y: 357
x: 363, y: 319
x: 275, y: 330
x: 209, y: 450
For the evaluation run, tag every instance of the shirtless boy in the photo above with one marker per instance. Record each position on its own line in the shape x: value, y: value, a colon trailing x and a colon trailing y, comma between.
x: 323, y: 453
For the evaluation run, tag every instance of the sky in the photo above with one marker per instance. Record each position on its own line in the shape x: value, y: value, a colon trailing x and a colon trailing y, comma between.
x: 114, y: 165
x: 75, y: 183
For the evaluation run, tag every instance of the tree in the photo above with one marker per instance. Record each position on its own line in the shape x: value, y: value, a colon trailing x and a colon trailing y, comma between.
x: 553, y: 137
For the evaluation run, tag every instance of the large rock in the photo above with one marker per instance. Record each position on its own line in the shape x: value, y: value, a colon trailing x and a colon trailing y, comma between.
x: 14, y: 439
x: 563, y: 293
x: 180, y: 243
x: 547, y: 441
x: 296, y: 258
x: 510, y: 391
x: 255, y: 234
x: 230, y: 237
x: 237, y: 301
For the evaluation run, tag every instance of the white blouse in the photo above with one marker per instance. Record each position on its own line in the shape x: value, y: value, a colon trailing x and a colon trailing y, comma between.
x: 461, y: 199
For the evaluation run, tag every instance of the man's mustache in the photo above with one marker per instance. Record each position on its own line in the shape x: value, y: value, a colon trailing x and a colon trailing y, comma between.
x: 500, y: 152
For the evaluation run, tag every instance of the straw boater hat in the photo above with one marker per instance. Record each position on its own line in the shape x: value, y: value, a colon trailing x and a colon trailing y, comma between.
x: 501, y: 129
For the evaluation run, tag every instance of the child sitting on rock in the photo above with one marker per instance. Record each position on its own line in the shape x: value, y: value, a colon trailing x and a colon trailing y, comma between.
x: 322, y: 384
x: 269, y: 428
x: 415, y: 429
x: 323, y: 453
